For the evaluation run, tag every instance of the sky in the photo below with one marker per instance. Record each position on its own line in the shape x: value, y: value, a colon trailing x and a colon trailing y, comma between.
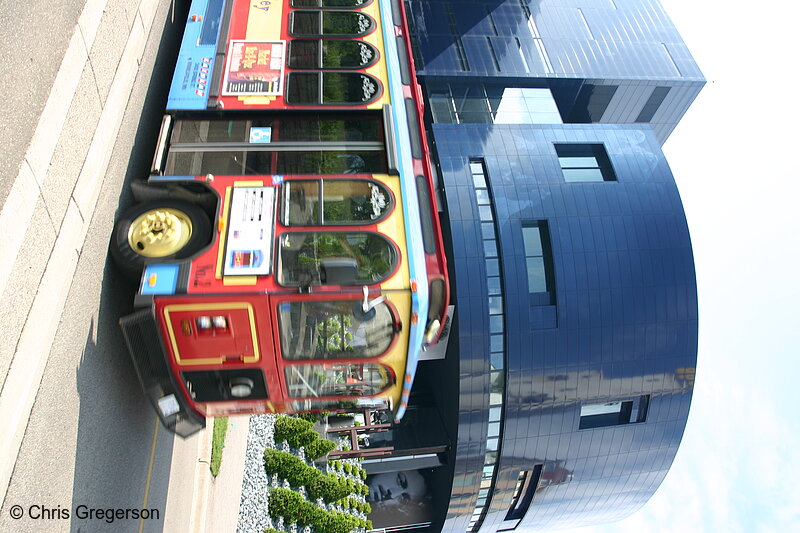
x: 738, y: 466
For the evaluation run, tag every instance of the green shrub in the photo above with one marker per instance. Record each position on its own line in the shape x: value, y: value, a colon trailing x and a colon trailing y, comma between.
x: 329, y: 487
x: 287, y: 426
x: 291, y: 506
x: 319, y: 448
x: 308, y: 417
x: 363, y: 474
x: 302, y: 439
x: 289, y: 467
x: 285, y: 503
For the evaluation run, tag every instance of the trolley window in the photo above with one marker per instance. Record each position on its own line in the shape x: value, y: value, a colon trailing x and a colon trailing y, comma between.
x: 335, y: 258
x: 339, y: 379
x: 334, y: 330
x: 330, y: 23
x: 328, y: 53
x: 332, y: 88
x: 344, y: 202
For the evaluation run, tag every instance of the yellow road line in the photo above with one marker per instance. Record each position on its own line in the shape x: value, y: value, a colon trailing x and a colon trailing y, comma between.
x: 149, y: 474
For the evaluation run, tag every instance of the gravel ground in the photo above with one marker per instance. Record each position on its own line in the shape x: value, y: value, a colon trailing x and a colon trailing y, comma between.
x: 253, y: 511
x: 253, y: 515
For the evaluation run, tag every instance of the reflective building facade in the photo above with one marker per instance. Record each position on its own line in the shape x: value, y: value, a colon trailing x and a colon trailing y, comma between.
x: 566, y: 384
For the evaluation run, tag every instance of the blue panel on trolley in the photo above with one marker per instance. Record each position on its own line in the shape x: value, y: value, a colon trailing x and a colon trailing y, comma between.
x: 160, y: 279
x: 192, y: 78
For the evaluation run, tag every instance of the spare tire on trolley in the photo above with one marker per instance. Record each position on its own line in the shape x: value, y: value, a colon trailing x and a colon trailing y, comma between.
x: 157, y: 230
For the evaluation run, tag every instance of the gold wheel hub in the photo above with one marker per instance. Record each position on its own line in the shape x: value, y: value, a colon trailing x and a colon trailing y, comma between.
x: 160, y: 232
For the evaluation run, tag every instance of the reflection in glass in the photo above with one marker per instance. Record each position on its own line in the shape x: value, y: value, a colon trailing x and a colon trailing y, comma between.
x: 335, y: 258
x: 344, y: 88
x: 332, y: 330
x: 330, y: 53
x: 257, y: 162
x: 344, y: 202
x: 337, y: 379
x: 338, y: 23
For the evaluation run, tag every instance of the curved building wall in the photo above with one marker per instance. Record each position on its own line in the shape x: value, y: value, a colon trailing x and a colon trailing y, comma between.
x: 617, y: 325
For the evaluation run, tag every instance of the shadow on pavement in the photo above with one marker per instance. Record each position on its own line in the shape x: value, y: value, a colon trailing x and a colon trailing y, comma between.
x: 118, y: 432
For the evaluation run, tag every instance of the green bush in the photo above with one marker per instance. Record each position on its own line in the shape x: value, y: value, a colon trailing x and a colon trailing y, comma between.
x: 287, y: 426
x: 329, y: 487
x: 363, y: 474
x: 302, y: 439
x: 308, y: 417
x: 319, y: 448
x: 286, y: 503
x: 289, y: 467
x: 291, y: 506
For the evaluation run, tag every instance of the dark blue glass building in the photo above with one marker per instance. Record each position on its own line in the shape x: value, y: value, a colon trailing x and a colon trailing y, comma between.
x: 565, y: 387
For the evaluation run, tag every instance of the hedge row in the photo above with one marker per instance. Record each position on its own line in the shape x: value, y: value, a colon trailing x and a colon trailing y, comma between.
x: 298, y: 433
x: 293, y: 508
x: 352, y: 503
x: 329, y: 487
x: 289, y: 467
x: 349, y: 468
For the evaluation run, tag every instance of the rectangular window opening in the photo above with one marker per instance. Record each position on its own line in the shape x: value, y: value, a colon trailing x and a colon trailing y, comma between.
x: 524, y: 491
x: 614, y: 413
x: 538, y: 257
x: 584, y: 163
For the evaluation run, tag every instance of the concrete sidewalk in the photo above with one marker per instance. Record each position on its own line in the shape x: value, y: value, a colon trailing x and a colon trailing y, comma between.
x: 49, y: 208
x: 216, y: 501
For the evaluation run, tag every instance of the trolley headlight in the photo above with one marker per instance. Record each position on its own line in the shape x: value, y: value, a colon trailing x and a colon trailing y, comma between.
x: 220, y: 322
x: 203, y: 322
x: 241, y: 387
x: 432, y: 331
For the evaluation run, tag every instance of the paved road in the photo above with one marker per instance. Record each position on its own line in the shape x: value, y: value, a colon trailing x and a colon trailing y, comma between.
x: 33, y: 40
x: 92, y: 439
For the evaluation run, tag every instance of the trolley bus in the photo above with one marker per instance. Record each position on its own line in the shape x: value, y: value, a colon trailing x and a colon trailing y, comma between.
x: 287, y: 241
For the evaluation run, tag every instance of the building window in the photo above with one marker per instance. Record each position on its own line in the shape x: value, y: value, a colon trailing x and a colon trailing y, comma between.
x: 488, y: 104
x: 525, y: 489
x: 584, y: 163
x: 497, y: 355
x: 538, y: 257
x: 652, y: 104
x: 608, y: 414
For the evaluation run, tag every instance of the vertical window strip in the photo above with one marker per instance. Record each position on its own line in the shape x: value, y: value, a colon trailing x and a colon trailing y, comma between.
x: 494, y: 54
x: 451, y: 21
x: 491, y: 20
x: 529, y: 19
x: 586, y: 23
x: 543, y: 55
x: 494, y: 432
x: 522, y: 55
x: 419, y: 64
